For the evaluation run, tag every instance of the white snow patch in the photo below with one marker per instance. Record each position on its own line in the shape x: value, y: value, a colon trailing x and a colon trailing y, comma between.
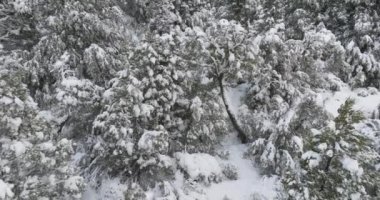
x: 90, y: 194
x: 199, y: 165
x: 73, y: 183
x: 234, y: 97
x: 110, y: 189
x: 47, y: 115
x: 312, y: 157
x: 148, y: 139
x: 184, y: 193
x: 331, y: 101
x: 14, y: 123
x: 59, y: 64
x: 19, y: 148
x: 298, y: 141
x: 47, y: 146
x: 249, y: 181
x: 355, y: 196
x: 322, y: 146
x: 21, y: 6
x: 231, y: 58
x: 351, y: 165
x: 6, y: 100
x: 5, y: 190
x: 377, y: 167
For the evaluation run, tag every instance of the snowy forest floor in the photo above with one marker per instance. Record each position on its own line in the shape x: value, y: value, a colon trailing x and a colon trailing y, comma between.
x: 249, y: 181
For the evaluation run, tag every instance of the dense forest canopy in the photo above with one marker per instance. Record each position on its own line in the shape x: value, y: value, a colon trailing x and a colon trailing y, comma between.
x: 142, y: 92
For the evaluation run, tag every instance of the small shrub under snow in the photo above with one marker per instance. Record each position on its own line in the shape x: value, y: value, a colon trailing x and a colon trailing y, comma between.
x: 200, y: 166
x: 230, y: 171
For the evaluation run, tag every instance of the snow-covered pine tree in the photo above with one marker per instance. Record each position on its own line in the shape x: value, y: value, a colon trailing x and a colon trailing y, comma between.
x: 364, y: 63
x: 335, y: 158
x: 355, y: 25
x: 271, y: 102
x: 74, y: 60
x: 131, y: 129
x: 34, y: 159
x: 226, y: 58
x: 18, y: 28
x: 147, y: 116
x: 288, y: 71
x: 371, y: 129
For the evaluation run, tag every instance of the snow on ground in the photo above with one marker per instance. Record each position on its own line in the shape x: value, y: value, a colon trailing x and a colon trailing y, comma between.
x: 367, y: 100
x: 249, y: 181
x: 234, y: 96
x: 110, y: 189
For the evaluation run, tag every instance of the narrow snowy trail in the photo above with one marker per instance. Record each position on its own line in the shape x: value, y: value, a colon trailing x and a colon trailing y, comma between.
x: 249, y: 181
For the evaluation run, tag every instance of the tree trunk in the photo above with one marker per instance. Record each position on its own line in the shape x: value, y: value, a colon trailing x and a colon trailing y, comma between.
x: 327, y: 169
x: 235, y: 124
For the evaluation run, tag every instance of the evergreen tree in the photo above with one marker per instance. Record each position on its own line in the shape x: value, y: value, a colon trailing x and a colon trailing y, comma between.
x: 18, y: 28
x: 334, y: 158
x: 34, y: 158
x: 225, y: 58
